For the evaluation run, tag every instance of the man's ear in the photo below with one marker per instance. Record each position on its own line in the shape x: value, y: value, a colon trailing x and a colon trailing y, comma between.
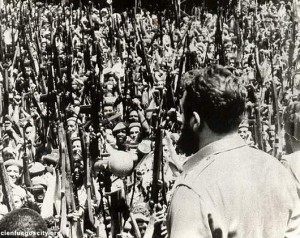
x: 196, y: 121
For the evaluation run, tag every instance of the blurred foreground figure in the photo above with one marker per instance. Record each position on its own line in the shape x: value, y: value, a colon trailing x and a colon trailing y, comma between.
x: 23, y: 222
x: 227, y: 189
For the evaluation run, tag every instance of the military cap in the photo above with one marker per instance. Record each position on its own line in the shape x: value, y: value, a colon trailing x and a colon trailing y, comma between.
x: 75, y: 119
x: 141, y: 208
x: 9, y: 150
x: 272, y: 128
x: 27, y: 63
x: 104, y: 10
x: 109, y: 101
x: 132, y: 146
x: 50, y: 158
x: 134, y: 124
x: 7, y: 118
x: 95, y: 10
x: 120, y: 126
x: 244, y: 124
x: 36, y: 168
x: 84, y: 20
x: 28, y: 124
x: 44, y: 40
x: 14, y: 162
x: 144, y: 147
x: 39, y: 4
x: 75, y: 138
x: 100, y: 165
x: 38, y: 180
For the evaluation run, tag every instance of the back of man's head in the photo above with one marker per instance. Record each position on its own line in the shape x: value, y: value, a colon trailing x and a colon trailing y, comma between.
x: 23, y: 222
x: 291, y: 119
x: 217, y: 96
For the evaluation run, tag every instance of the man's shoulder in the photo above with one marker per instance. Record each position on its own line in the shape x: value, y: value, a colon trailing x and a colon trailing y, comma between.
x: 293, y: 158
x: 248, y: 154
x: 292, y: 162
x: 244, y: 163
x: 244, y: 156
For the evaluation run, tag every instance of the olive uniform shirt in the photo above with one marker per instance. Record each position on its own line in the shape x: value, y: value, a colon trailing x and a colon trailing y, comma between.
x: 232, y: 190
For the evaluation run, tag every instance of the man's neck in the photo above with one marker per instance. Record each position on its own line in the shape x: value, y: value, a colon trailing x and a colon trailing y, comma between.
x: 207, y: 137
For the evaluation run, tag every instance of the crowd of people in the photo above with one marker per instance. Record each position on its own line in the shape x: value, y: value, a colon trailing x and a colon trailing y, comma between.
x: 91, y: 110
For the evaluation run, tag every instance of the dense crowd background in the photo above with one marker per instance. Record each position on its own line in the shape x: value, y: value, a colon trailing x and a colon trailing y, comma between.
x: 90, y: 99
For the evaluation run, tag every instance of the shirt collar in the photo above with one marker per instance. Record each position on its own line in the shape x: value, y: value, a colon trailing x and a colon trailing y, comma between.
x: 227, y: 143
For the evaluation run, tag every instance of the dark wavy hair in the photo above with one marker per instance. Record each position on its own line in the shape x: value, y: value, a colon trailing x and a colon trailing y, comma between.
x: 291, y: 118
x: 21, y: 221
x: 217, y: 96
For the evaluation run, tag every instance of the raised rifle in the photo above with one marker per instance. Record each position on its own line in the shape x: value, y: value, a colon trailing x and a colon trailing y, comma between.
x: 88, y: 184
x: 94, y: 91
x: 56, y: 100
x: 218, y: 37
x: 238, y: 33
x: 277, y: 150
x: 64, y: 212
x: 157, y: 168
x: 50, y: 99
x: 69, y: 64
x: 158, y: 156
x: 91, y: 144
x: 257, y: 107
x: 12, y: 32
x: 68, y: 202
x: 291, y: 61
x: 5, y: 91
x: 6, y: 188
x: 56, y: 61
x: 2, y: 48
x: 26, y: 174
x: 258, y: 127
x: 66, y: 150
x: 182, y: 62
x: 150, y: 78
x: 170, y: 100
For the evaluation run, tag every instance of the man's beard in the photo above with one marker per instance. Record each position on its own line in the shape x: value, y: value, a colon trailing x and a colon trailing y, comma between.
x: 188, y: 142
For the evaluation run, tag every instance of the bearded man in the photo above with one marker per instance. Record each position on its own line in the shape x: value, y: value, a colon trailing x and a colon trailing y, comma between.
x: 227, y: 189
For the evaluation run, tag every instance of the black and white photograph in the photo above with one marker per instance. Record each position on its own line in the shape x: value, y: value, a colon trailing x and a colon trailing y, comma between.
x: 150, y: 119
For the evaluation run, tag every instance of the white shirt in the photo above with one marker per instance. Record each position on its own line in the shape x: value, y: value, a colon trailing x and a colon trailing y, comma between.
x: 244, y: 191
